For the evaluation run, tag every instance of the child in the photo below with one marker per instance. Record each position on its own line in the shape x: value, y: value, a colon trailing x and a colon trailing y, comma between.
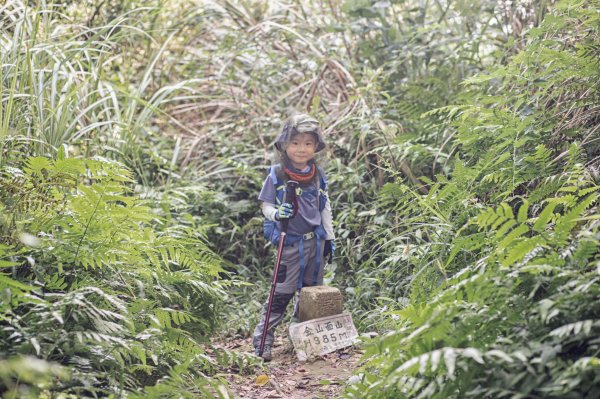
x: 309, y: 239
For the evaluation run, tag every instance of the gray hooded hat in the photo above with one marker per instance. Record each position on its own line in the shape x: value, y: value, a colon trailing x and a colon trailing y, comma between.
x: 301, y: 123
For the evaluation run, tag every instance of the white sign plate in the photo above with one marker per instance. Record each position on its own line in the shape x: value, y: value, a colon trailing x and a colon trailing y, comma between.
x: 324, y: 335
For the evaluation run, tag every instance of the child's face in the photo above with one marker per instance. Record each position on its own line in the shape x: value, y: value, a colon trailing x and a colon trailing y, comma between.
x: 301, y: 149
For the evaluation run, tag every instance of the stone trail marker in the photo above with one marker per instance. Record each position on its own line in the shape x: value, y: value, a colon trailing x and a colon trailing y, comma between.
x: 323, y: 335
x: 319, y: 301
x: 323, y: 328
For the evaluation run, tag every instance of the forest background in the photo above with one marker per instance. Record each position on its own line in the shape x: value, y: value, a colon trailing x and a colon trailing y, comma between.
x: 463, y: 163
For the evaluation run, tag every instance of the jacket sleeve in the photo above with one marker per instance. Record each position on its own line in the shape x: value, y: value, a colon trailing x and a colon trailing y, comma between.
x: 327, y: 220
x: 269, y: 211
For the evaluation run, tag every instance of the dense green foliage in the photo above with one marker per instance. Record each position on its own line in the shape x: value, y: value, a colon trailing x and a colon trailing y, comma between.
x: 108, y: 287
x: 504, y: 248
x: 463, y: 164
x: 97, y: 285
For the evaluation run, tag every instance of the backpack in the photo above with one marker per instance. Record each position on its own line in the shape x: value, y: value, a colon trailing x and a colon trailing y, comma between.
x: 279, y: 180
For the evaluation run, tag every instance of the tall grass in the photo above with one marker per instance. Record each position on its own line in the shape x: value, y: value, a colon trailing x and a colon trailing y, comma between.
x: 73, y: 88
x: 63, y: 83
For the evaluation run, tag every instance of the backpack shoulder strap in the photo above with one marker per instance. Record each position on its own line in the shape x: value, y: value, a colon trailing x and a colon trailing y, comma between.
x: 278, y: 178
x: 322, y: 197
x: 272, y: 171
x: 322, y: 179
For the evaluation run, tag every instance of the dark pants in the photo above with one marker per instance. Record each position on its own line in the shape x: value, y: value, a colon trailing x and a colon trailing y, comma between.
x: 287, y: 284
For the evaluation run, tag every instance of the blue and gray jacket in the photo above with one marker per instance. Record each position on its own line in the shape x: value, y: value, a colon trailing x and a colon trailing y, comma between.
x: 271, y: 228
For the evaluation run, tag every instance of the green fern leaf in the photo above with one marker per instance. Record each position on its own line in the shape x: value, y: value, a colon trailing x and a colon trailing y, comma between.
x: 7, y: 282
x: 520, y: 250
x: 516, y: 233
x: 523, y: 209
x: 545, y: 216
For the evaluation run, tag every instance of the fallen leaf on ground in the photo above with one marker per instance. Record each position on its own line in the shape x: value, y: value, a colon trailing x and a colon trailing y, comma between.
x: 262, y: 380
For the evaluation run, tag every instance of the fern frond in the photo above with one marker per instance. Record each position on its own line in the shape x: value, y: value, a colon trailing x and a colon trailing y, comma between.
x: 583, y: 326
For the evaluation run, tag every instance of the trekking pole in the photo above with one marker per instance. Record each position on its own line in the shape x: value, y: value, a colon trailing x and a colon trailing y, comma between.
x: 290, y: 196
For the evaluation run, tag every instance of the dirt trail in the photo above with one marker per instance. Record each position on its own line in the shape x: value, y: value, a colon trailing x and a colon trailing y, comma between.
x: 289, y: 378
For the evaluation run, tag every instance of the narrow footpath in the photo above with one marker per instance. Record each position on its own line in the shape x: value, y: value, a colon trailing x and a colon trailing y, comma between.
x: 323, y: 377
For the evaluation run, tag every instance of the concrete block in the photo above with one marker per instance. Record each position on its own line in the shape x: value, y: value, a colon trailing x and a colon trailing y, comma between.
x: 324, y: 335
x: 319, y: 301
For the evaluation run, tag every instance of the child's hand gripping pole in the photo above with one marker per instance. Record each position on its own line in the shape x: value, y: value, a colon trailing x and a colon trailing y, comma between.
x: 290, y: 197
